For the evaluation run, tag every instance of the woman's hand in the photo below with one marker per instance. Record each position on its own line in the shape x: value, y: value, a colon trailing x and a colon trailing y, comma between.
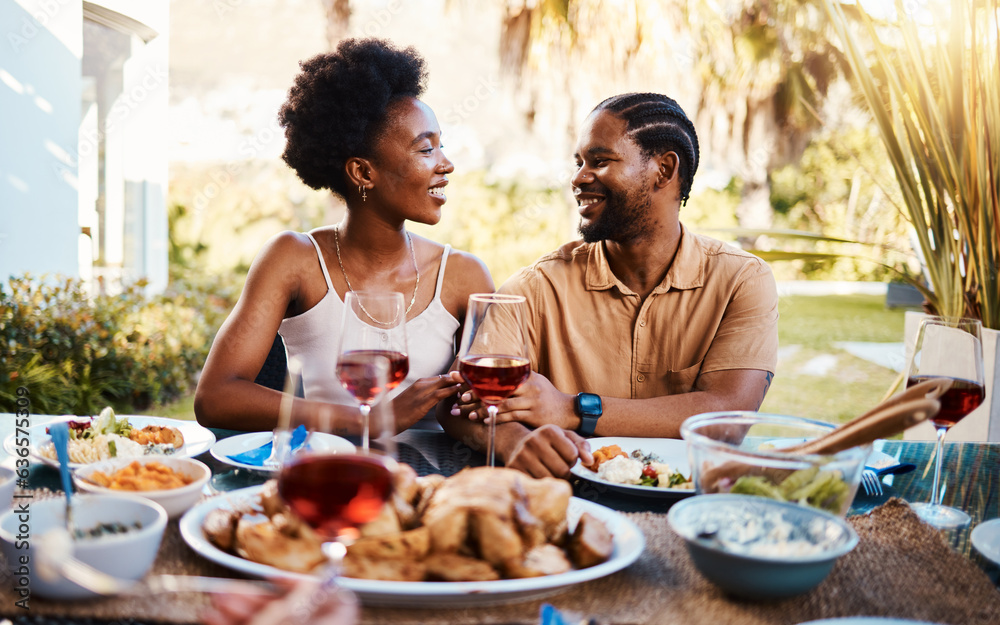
x: 413, y: 403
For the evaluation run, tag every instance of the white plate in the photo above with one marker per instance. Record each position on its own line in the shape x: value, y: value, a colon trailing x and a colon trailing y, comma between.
x: 230, y: 446
x: 628, y: 545
x: 197, y: 438
x: 671, y: 450
x: 985, y: 538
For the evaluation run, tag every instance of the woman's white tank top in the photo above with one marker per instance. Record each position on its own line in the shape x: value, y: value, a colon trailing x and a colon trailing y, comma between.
x: 314, y: 337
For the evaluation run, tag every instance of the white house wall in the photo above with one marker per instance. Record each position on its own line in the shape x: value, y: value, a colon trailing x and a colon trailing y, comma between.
x: 40, y: 53
x: 48, y: 142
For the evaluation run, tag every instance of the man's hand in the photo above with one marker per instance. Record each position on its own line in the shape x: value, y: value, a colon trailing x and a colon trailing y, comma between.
x: 535, y: 403
x: 549, y: 451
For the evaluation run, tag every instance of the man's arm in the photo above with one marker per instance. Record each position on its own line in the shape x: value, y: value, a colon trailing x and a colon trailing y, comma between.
x: 537, y: 402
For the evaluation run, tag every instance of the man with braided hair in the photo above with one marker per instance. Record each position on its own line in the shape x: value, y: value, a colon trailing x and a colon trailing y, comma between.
x: 642, y: 323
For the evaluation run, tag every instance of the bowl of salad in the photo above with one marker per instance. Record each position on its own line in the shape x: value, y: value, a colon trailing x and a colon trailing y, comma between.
x: 744, y: 453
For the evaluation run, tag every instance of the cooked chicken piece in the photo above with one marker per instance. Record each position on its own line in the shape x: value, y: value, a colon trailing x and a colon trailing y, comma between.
x: 158, y: 435
x: 270, y: 501
x: 548, y: 500
x: 542, y: 560
x: 219, y: 527
x: 448, y: 530
x: 385, y: 523
x: 495, y: 538
x: 426, y: 485
x: 451, y: 567
x: 412, y: 545
x: 404, y: 484
x: 387, y: 570
x: 591, y: 542
x: 532, y: 530
x: 263, y: 543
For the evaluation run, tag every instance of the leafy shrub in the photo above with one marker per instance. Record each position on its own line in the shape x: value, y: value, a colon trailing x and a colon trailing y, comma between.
x: 76, y: 353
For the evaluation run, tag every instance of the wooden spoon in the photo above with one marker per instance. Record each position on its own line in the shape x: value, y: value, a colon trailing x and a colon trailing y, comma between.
x: 891, y: 417
x: 928, y: 389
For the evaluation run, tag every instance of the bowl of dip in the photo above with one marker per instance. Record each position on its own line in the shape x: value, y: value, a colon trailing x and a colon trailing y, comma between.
x: 743, y: 453
x: 174, y: 483
x: 758, y: 548
x: 115, y: 534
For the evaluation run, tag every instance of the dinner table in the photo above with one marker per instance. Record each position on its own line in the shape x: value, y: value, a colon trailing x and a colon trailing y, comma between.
x: 901, y: 567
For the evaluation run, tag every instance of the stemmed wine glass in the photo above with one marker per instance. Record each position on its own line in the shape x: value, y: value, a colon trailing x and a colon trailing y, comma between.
x: 948, y: 347
x: 372, y: 330
x: 336, y: 492
x: 493, y: 357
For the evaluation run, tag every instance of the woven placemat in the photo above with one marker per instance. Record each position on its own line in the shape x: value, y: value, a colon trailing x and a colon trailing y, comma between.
x: 901, y: 568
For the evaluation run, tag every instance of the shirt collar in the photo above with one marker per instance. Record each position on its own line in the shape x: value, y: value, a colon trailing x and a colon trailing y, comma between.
x: 686, y: 272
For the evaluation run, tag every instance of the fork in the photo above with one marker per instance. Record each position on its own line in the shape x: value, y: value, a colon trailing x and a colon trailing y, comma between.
x: 871, y: 478
x: 871, y: 482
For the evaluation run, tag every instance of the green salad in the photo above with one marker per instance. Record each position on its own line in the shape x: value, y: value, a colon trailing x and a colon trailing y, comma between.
x: 826, y: 490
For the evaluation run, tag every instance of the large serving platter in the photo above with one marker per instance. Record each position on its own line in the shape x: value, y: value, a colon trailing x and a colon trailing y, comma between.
x: 672, y: 451
x: 197, y: 439
x: 628, y: 545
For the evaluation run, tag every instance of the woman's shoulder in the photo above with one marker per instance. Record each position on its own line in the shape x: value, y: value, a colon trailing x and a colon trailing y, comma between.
x: 286, y: 250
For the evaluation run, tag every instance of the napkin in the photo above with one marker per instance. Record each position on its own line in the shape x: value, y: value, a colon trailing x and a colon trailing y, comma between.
x: 256, y: 457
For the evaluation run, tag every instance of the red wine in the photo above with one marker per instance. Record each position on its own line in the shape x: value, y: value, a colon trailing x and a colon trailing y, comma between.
x: 358, y: 373
x: 494, y: 378
x: 335, y: 493
x: 962, y: 398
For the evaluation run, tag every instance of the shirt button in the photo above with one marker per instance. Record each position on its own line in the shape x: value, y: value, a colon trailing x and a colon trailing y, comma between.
x: 642, y: 324
x: 641, y: 378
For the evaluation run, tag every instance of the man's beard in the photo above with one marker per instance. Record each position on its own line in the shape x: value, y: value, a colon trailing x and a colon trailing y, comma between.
x: 625, y: 217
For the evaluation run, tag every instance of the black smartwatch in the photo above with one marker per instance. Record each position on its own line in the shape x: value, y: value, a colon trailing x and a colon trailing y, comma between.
x: 589, y: 408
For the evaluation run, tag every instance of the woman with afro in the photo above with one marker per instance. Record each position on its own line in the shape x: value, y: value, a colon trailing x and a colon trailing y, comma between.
x: 354, y: 125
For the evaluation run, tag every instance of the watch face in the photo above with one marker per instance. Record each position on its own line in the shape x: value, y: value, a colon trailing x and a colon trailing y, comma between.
x: 589, y: 404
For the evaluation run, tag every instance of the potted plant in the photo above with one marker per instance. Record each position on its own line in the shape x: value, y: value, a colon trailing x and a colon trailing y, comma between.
x: 934, y: 93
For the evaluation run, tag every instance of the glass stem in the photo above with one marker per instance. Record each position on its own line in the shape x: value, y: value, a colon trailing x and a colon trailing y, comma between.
x: 334, y: 552
x: 491, y: 450
x: 937, y: 495
x: 365, y: 411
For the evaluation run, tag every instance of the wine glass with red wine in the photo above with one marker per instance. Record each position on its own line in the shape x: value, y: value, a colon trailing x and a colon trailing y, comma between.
x: 948, y: 347
x: 493, y: 357
x: 372, y: 331
x: 334, y: 492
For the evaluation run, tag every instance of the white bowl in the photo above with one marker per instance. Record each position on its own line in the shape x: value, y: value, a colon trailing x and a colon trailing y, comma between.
x: 7, y: 483
x: 176, y: 501
x: 127, y: 556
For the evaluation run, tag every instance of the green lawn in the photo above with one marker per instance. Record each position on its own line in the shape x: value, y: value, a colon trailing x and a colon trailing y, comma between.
x: 814, y: 324
x: 183, y: 408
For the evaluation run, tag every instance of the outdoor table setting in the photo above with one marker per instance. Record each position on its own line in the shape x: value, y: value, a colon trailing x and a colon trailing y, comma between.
x: 900, y: 567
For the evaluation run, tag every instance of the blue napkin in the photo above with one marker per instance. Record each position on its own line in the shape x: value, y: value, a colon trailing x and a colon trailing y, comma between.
x: 59, y: 433
x: 256, y: 457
